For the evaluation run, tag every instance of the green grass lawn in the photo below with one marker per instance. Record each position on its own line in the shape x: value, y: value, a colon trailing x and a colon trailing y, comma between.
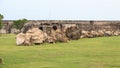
x: 102, y: 52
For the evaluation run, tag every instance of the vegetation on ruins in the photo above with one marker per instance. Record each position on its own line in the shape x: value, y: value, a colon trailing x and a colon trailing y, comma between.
x: 18, y: 24
x: 1, y: 17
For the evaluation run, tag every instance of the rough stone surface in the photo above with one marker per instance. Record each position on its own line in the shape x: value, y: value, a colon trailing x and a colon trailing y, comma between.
x: 20, y: 39
x: 32, y: 36
x: 60, y: 36
x: 51, y: 39
x: 73, y: 33
x: 15, y: 31
x: 37, y: 36
x: 2, y: 31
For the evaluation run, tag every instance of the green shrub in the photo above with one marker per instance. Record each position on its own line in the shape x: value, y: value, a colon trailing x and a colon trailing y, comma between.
x: 1, y: 17
x: 18, y: 24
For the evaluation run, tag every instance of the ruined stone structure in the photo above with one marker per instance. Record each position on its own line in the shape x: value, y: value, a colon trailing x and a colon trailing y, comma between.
x: 51, y: 31
x: 48, y: 25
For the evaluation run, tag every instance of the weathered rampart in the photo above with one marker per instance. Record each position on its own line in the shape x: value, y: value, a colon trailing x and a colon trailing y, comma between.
x: 82, y: 24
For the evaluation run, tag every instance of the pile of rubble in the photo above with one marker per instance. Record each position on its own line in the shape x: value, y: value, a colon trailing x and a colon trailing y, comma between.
x: 99, y: 33
x: 32, y: 36
x: 36, y: 36
x: 73, y: 33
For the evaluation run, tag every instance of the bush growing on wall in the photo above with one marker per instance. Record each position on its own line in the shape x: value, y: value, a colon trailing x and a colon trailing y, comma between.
x: 18, y: 24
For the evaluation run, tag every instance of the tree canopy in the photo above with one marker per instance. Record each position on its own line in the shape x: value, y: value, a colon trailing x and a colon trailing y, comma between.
x: 18, y: 24
x: 1, y: 17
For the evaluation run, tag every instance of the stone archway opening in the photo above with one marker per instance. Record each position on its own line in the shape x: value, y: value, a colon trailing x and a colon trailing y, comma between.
x: 41, y: 28
x: 55, y: 27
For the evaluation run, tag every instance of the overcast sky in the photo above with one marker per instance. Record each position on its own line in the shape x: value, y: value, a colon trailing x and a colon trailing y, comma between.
x: 61, y: 9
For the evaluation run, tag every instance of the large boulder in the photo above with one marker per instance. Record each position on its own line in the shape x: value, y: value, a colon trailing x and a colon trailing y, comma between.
x: 51, y: 39
x: 15, y: 31
x: 26, y: 27
x: 83, y: 34
x: 37, y: 38
x: 60, y: 36
x: 101, y: 33
x: 94, y: 33
x: 116, y: 33
x: 73, y: 33
x: 108, y: 33
x: 89, y: 34
x: 20, y: 38
x: 56, y: 36
x: 3, y: 31
x: 28, y: 40
x: 32, y: 36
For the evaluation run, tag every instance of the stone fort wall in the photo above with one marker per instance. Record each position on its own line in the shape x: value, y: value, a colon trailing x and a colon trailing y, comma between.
x: 82, y: 24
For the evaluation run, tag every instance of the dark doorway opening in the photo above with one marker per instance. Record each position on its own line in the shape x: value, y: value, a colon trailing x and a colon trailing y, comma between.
x: 41, y: 28
x: 55, y: 27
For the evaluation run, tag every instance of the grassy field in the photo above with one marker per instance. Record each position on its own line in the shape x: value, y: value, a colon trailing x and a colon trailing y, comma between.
x: 102, y: 52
